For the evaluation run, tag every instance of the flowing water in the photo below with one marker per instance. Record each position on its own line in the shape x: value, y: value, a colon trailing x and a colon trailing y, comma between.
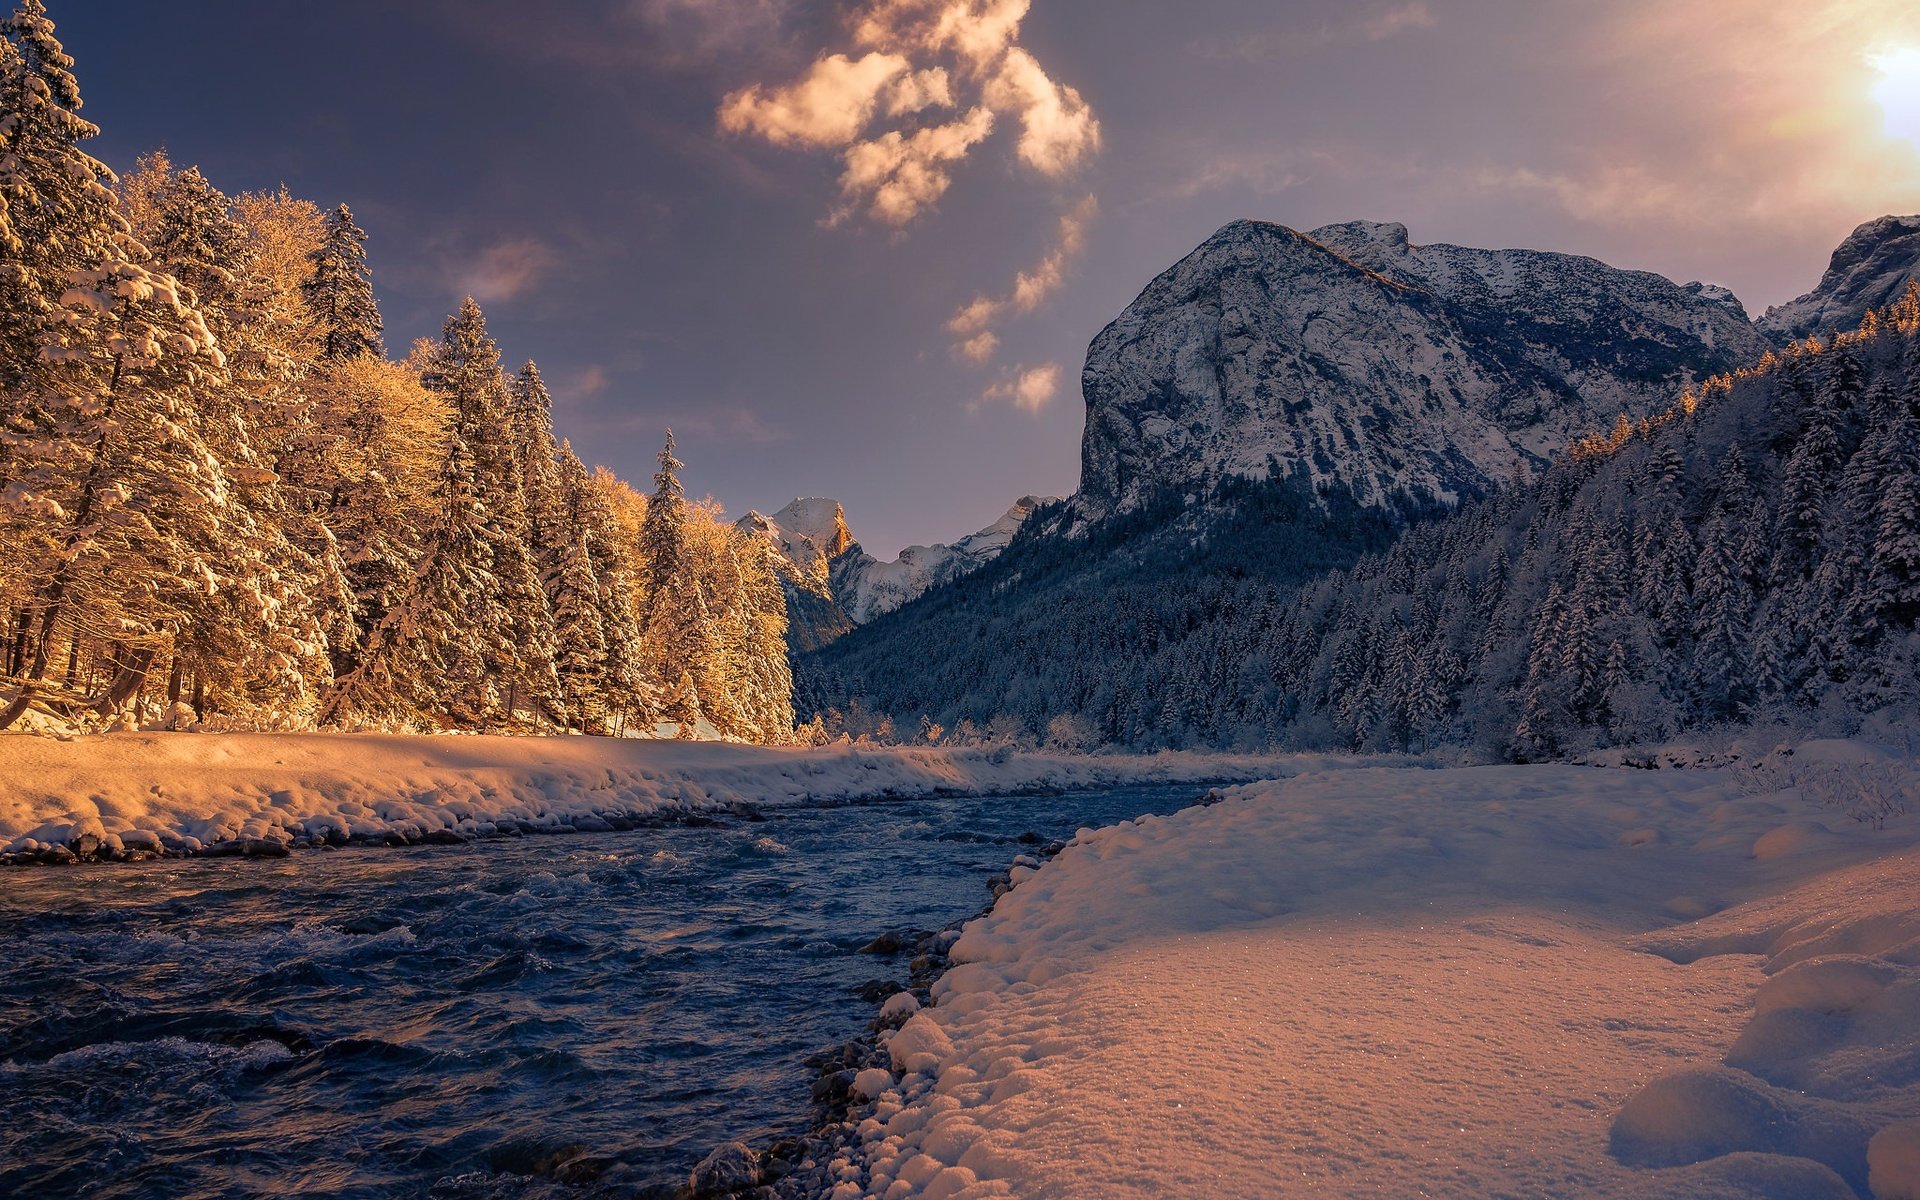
x: 501, y: 1019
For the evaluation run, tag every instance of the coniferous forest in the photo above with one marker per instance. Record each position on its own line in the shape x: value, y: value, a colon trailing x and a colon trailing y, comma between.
x: 1748, y: 556
x: 224, y: 502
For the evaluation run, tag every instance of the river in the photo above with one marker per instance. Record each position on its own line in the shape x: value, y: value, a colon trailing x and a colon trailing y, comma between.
x: 504, y: 1019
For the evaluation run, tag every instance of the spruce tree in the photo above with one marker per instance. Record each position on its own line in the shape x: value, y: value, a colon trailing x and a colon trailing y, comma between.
x: 494, y: 649
x: 340, y: 293
x: 113, y: 503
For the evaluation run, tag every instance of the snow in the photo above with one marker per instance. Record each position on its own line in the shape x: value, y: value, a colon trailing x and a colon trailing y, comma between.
x: 191, y: 791
x: 1541, y: 981
x: 812, y: 534
x: 899, y: 1007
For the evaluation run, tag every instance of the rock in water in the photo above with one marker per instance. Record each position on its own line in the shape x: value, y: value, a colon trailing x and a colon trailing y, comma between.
x: 729, y: 1169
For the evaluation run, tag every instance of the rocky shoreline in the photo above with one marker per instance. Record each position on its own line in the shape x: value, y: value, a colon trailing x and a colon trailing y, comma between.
x: 849, y: 1076
x: 143, y: 845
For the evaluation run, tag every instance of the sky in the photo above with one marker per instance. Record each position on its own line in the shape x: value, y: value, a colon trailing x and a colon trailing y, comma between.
x: 857, y: 249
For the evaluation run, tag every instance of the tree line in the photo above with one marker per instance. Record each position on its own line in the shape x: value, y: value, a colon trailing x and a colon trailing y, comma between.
x: 223, y: 502
x: 1751, y: 555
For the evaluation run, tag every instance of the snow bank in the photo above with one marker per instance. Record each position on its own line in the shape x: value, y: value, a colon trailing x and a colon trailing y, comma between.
x: 1518, y: 981
x: 120, y: 794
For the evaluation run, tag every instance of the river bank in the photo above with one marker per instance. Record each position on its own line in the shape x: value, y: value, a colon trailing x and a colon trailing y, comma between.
x: 115, y: 797
x: 1540, y: 981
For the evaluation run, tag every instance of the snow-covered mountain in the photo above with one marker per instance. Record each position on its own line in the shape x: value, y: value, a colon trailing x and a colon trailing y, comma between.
x: 867, y: 588
x: 812, y: 537
x: 1871, y: 269
x: 809, y: 534
x: 1350, y: 356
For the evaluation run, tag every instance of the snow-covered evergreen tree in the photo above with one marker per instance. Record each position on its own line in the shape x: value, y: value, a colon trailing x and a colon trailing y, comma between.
x: 340, y: 293
x: 475, y: 621
x: 113, y: 500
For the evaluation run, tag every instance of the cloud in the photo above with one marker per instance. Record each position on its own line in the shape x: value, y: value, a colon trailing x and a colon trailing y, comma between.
x: 619, y: 35
x: 591, y: 381
x: 918, y: 62
x: 829, y: 106
x: 1058, y: 128
x: 1031, y: 288
x: 505, y: 270
x: 1745, y: 116
x: 1398, y: 20
x: 897, y: 175
x: 1269, y: 45
x: 979, y: 348
x: 1030, y: 388
x: 920, y: 91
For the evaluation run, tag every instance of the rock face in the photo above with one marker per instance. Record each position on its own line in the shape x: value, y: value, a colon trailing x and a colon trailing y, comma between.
x: 1351, y: 357
x: 809, y: 533
x: 1871, y: 269
x: 834, y: 584
x: 868, y: 588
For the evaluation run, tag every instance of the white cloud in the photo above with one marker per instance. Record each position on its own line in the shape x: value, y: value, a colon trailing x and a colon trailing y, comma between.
x: 897, y: 175
x: 828, y: 107
x: 1745, y: 116
x: 1397, y: 20
x: 1031, y: 287
x: 919, y: 91
x: 1269, y: 45
x: 504, y: 270
x: 979, y: 348
x: 920, y: 57
x: 1058, y: 128
x: 1031, y: 388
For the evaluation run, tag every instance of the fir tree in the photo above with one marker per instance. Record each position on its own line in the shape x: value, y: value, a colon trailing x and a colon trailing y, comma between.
x: 340, y: 293
x: 112, y: 499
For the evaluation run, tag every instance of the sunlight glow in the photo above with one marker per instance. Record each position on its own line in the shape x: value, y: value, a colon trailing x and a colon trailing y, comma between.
x: 1899, y: 93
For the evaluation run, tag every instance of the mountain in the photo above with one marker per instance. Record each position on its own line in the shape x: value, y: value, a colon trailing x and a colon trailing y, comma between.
x: 1753, y: 554
x: 1273, y: 410
x: 1350, y: 357
x: 1870, y: 270
x: 867, y: 588
x: 834, y: 584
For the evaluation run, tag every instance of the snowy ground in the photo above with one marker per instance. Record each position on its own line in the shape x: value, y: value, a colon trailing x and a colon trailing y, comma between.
x: 188, y: 792
x: 1520, y: 982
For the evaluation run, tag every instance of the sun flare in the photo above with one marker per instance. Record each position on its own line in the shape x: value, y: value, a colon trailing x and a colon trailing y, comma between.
x: 1899, y: 93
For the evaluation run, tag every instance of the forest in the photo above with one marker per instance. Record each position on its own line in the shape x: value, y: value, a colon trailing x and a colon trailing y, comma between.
x: 1752, y: 555
x: 225, y: 504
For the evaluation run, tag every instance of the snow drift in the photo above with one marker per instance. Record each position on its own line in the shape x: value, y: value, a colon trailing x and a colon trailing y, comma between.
x: 1476, y: 982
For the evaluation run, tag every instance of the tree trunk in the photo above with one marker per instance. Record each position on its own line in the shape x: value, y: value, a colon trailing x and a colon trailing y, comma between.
x: 17, y: 653
x: 128, y: 679
x: 199, y: 696
x: 62, y: 577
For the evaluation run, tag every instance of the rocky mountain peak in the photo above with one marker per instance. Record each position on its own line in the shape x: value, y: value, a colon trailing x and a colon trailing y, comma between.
x: 1352, y: 357
x: 1870, y: 269
x: 826, y: 562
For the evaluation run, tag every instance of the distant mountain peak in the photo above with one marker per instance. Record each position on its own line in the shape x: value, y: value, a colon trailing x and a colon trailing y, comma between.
x: 811, y: 534
x: 1870, y: 269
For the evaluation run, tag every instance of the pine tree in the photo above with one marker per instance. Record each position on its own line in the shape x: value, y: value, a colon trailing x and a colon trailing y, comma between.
x: 530, y: 419
x: 497, y: 656
x: 341, y: 293
x: 584, y: 655
x: 465, y: 368
x: 433, y: 662
x: 112, y: 501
